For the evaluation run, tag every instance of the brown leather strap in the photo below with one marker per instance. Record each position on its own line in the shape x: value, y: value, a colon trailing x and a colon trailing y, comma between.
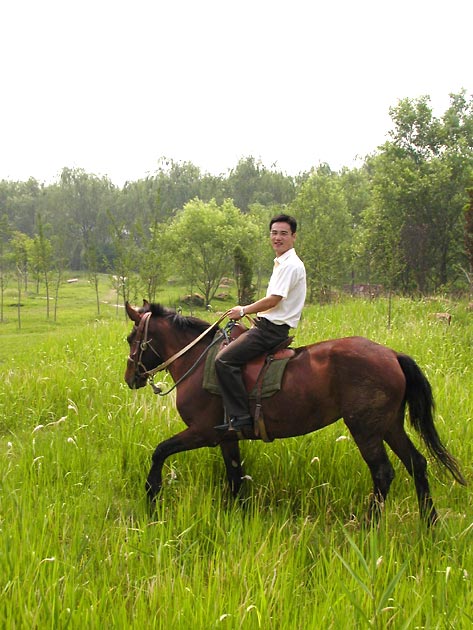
x: 259, y: 425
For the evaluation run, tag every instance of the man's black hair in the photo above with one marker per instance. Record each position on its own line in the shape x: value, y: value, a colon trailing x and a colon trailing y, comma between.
x: 284, y: 218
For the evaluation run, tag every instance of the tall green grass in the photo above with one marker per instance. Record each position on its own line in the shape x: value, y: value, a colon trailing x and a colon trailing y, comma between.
x: 79, y: 548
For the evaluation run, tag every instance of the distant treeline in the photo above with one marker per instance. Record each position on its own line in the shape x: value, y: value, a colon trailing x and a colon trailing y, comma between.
x: 403, y: 219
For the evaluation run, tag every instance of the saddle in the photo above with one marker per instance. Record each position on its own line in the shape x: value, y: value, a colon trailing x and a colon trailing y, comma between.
x: 254, y: 371
x: 262, y: 375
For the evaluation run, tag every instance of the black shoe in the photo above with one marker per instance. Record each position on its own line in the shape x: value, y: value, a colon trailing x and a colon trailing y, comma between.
x: 241, y: 422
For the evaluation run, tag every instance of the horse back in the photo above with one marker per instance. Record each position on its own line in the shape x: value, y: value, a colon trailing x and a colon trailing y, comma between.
x: 331, y: 379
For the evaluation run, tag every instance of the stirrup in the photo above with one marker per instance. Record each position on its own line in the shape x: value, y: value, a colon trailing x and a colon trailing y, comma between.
x: 236, y: 424
x: 223, y: 427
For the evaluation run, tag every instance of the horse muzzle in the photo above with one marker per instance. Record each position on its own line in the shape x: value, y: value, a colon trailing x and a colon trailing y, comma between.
x: 133, y: 379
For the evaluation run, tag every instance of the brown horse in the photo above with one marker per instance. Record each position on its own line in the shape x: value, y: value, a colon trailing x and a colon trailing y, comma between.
x: 366, y: 384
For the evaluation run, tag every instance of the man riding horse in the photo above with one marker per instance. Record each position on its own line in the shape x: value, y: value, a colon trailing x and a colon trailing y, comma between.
x: 276, y: 313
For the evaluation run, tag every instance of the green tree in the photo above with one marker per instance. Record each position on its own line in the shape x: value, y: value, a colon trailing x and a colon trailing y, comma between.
x: 126, y: 256
x: 204, y: 236
x: 60, y: 262
x: 153, y: 263
x: 19, y: 201
x: 41, y: 259
x: 469, y: 239
x: 381, y: 232
x: 88, y: 201
x: 243, y: 274
x: 94, y: 264
x: 157, y: 198
x: 421, y: 176
x: 21, y: 247
x: 325, y: 232
x: 5, y: 232
x: 356, y: 188
x: 252, y: 183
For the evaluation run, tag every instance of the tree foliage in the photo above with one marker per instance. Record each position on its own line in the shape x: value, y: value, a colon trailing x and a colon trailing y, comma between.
x: 41, y: 259
x: 203, y: 237
x: 243, y: 274
x: 419, y: 183
x: 324, y: 233
x: 398, y: 220
x: 469, y: 238
x: 252, y: 183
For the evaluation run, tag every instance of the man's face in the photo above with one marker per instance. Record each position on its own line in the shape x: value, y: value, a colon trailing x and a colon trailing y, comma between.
x: 282, y: 239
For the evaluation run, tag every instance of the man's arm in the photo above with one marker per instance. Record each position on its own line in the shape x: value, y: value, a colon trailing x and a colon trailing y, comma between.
x: 270, y: 301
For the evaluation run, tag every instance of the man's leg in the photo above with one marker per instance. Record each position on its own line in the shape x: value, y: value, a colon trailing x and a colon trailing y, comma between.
x: 228, y: 366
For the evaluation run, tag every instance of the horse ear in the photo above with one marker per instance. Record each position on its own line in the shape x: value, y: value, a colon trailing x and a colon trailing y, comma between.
x: 132, y: 313
x: 145, y: 304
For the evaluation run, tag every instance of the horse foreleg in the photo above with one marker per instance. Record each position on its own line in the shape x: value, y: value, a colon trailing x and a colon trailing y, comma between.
x: 232, y: 459
x: 185, y: 441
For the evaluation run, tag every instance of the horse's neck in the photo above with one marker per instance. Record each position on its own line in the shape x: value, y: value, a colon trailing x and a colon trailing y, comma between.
x: 174, y: 345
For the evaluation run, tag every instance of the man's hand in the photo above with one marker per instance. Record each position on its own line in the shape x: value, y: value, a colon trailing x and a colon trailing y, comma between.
x: 236, y: 312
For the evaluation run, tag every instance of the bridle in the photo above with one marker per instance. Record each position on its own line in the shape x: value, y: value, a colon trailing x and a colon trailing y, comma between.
x: 141, y: 343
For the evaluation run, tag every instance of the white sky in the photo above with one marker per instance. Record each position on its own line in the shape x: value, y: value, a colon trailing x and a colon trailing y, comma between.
x: 111, y: 85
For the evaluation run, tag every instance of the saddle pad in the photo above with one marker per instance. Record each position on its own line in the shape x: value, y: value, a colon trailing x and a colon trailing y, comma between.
x: 271, y: 381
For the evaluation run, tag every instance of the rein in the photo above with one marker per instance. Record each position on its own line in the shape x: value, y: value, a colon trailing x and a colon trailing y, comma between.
x: 165, y: 364
x: 157, y: 390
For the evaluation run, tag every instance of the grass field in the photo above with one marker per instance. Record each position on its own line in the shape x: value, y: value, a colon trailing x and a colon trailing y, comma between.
x: 79, y: 549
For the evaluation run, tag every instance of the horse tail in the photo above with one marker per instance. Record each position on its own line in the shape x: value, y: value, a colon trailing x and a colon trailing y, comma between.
x: 421, y: 404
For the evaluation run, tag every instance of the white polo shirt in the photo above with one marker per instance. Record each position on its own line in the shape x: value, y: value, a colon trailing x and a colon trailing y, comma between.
x: 289, y: 281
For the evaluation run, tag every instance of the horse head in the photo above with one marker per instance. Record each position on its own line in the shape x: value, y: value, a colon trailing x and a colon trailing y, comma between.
x: 160, y: 335
x: 144, y: 356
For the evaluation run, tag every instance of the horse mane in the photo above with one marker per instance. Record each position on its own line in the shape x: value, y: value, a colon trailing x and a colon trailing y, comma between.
x: 180, y: 321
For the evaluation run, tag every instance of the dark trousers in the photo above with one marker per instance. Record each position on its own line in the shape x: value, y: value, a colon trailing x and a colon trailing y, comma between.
x: 229, y: 361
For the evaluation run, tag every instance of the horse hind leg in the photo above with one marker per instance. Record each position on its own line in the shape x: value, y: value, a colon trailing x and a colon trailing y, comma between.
x: 382, y: 473
x: 416, y: 466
